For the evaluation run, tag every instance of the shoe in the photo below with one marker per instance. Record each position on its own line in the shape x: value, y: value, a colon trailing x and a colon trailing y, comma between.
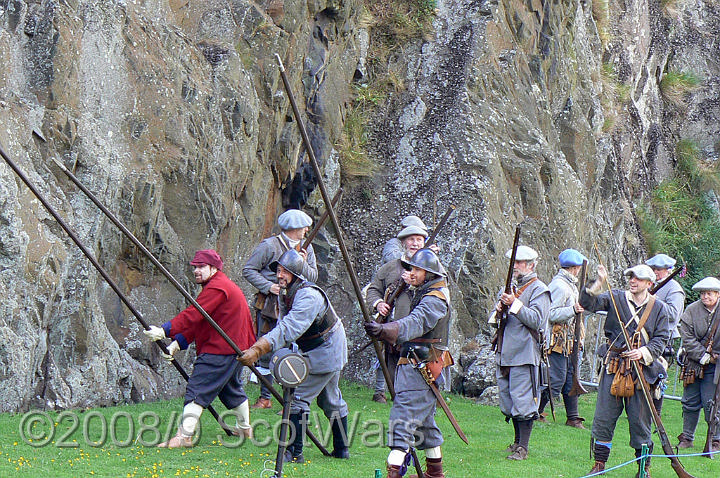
x: 542, y: 418
x: 519, y: 454
x: 288, y: 457
x: 511, y: 448
x: 178, y: 441
x: 379, y: 397
x: 244, y: 432
x: 576, y: 423
x: 684, y: 442
x: 393, y: 471
x: 262, y: 403
x: 715, y: 446
x: 342, y: 453
x: 597, y: 467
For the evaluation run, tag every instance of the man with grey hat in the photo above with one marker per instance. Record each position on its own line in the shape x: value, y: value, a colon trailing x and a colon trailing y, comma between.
x: 700, y: 331
x: 394, y: 248
x: 518, y: 362
x: 384, y: 283
x: 293, y: 224
x: 422, y: 339
x: 563, y: 312
x: 646, y: 321
x: 671, y: 293
x: 308, y: 319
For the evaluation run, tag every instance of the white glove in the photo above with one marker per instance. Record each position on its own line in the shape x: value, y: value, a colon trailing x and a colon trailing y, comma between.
x: 705, y: 359
x: 172, y: 348
x: 155, y: 333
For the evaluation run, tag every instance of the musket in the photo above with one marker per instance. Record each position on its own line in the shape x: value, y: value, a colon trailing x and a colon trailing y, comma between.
x: 714, y: 422
x: 123, y: 298
x: 645, y: 387
x: 670, y: 277
x: 577, y: 388
x: 180, y: 289
x: 321, y: 221
x: 333, y: 218
x: 403, y: 285
x: 497, y: 341
x: 430, y: 380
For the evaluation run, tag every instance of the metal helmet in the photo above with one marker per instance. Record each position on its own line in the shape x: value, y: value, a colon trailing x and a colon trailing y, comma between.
x: 424, y: 259
x: 292, y: 261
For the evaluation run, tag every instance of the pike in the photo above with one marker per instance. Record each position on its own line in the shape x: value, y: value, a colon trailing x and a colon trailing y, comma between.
x: 637, y: 368
x: 403, y: 285
x: 339, y: 235
x: 320, y: 222
x: 178, y: 286
x: 123, y: 298
x: 577, y: 388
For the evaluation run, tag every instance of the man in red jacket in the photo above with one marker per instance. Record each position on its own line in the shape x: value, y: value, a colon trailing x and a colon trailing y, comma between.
x: 216, y: 372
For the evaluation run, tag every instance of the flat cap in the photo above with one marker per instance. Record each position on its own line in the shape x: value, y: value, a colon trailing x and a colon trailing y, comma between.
x: 642, y: 272
x: 708, y: 283
x: 209, y: 257
x: 413, y: 221
x: 570, y: 258
x: 412, y: 230
x: 524, y: 253
x: 294, y: 219
x: 660, y: 261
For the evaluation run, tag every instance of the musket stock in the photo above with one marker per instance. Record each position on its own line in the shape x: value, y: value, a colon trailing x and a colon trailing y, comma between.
x: 670, y: 277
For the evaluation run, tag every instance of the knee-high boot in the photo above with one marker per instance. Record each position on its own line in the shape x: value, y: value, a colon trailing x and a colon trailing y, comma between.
x: 341, y: 440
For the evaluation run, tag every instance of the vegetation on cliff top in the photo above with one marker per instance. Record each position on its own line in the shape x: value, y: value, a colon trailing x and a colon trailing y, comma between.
x: 682, y: 219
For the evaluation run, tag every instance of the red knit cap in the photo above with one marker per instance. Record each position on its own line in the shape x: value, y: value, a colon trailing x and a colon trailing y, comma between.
x: 209, y: 257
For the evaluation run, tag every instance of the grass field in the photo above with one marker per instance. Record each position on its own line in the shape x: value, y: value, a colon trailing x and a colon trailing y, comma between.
x: 555, y: 450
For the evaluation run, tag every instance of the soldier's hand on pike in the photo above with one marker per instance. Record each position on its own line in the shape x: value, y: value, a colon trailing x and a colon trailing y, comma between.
x: 383, y: 307
x: 632, y: 354
x: 388, y: 332
x: 257, y: 350
x: 155, y: 333
x: 275, y: 289
x: 507, y: 299
x: 172, y: 349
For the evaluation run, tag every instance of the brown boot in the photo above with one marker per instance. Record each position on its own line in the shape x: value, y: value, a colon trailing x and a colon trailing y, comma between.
x: 262, y: 403
x: 379, y: 397
x: 647, y: 471
x: 511, y: 448
x: 685, y: 442
x: 519, y: 454
x: 433, y: 468
x: 542, y: 418
x: 575, y: 422
x: 597, y: 467
x: 393, y: 471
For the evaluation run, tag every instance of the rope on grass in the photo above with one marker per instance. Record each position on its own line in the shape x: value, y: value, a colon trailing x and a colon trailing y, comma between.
x: 684, y: 455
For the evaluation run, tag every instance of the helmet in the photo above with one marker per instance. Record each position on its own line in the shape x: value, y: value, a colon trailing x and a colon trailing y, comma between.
x: 424, y: 259
x: 292, y: 261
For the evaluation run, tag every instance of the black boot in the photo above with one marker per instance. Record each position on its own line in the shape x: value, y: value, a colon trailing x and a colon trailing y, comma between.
x: 294, y: 452
x: 341, y: 439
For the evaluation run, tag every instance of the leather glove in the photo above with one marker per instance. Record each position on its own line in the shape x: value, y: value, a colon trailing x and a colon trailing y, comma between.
x: 257, y: 350
x: 388, y: 332
x: 155, y: 333
x: 172, y: 348
x: 705, y: 359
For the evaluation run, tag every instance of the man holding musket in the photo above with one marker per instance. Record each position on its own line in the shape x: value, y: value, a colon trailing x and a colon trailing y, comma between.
x: 563, y: 311
x: 646, y: 321
x: 216, y: 372
x: 307, y: 318
x: 518, y: 362
x: 700, y: 331
x: 294, y: 224
x: 422, y: 337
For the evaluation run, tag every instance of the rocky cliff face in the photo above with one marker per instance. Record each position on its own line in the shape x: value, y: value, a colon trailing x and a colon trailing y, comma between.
x: 173, y: 113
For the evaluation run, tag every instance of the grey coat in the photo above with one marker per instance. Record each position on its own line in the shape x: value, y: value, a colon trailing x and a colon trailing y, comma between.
x: 519, y: 345
x: 257, y: 268
x: 695, y: 325
x: 673, y: 295
x: 308, y: 305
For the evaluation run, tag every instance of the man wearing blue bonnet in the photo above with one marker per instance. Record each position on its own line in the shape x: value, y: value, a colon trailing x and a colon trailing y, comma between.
x: 698, y: 328
x: 560, y: 342
x: 293, y: 224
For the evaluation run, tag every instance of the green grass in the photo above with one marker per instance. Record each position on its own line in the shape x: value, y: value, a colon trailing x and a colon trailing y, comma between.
x: 555, y: 450
x: 676, y: 85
